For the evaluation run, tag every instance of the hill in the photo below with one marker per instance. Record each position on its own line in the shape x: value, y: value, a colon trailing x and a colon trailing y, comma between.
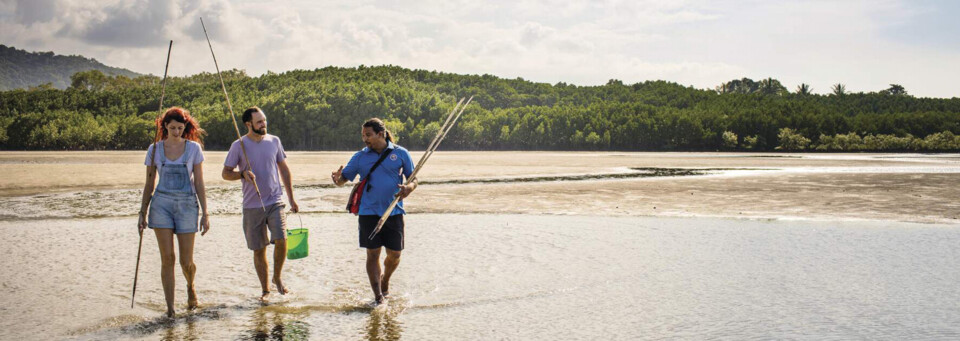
x: 20, y: 69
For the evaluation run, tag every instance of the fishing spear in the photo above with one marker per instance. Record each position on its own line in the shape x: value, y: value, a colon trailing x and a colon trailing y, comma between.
x: 448, y: 124
x: 232, y: 115
x: 156, y: 138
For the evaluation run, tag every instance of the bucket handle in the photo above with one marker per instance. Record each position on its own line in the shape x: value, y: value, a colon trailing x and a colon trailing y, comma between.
x: 301, y: 222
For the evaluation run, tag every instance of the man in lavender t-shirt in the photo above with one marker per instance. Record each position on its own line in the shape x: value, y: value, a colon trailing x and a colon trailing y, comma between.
x: 262, y: 213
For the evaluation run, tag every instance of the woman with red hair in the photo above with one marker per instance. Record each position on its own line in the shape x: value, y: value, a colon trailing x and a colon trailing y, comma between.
x: 177, y: 158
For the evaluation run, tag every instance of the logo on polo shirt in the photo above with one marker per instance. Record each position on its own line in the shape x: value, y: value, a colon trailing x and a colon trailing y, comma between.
x: 393, y: 157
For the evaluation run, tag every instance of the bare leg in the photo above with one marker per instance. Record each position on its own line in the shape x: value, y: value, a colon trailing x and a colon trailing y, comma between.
x: 279, y: 256
x: 373, y: 273
x: 390, y: 265
x: 260, y: 263
x: 185, y: 243
x: 168, y: 260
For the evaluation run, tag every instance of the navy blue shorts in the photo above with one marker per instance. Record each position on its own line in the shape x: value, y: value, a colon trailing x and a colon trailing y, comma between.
x: 390, y: 236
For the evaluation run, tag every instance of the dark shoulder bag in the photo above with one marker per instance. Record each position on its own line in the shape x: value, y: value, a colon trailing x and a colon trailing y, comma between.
x: 353, y: 202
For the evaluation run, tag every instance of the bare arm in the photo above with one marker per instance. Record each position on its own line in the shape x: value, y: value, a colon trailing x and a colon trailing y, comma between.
x: 412, y: 184
x: 147, y: 194
x: 201, y: 196
x: 288, y: 184
x: 231, y: 175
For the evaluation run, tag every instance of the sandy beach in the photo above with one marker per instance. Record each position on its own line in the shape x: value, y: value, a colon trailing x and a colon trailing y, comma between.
x: 515, y: 245
x: 900, y: 187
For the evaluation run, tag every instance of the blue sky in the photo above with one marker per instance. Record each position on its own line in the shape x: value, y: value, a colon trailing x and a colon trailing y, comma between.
x: 865, y: 45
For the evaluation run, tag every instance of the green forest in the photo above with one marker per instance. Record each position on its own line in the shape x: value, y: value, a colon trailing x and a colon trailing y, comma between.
x: 322, y: 109
x: 20, y: 69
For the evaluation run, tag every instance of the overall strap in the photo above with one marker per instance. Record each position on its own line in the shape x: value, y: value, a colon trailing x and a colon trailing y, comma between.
x: 163, y: 155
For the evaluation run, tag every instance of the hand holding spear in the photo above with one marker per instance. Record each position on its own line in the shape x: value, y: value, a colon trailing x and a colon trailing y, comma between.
x: 447, y: 125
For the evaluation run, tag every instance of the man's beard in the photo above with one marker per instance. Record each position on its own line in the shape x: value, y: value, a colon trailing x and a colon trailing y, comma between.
x: 262, y: 131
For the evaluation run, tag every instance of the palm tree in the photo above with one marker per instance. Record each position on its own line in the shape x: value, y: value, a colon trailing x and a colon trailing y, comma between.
x: 895, y: 89
x: 771, y: 86
x: 804, y: 89
x: 839, y: 89
x: 738, y: 86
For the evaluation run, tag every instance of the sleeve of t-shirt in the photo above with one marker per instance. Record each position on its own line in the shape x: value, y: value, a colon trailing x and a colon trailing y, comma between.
x: 281, y: 155
x: 198, y: 157
x: 352, y: 169
x: 146, y: 159
x: 407, y: 164
x: 233, y: 156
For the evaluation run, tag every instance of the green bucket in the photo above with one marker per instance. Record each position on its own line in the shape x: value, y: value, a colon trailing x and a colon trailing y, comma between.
x: 297, y: 246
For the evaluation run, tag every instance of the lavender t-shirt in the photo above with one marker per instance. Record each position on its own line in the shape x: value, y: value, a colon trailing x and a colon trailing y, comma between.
x: 192, y: 155
x: 264, y: 156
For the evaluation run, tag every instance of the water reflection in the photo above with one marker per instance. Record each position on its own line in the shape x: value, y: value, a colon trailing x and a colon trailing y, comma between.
x: 271, y: 326
x: 383, y: 325
x: 183, y: 327
x: 189, y: 332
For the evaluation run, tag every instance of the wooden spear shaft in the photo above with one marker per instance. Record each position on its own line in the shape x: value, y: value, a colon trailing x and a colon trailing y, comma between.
x: 232, y: 115
x: 153, y: 151
x: 441, y: 135
x: 439, y: 132
x: 446, y: 131
x: 436, y: 138
x: 439, y: 138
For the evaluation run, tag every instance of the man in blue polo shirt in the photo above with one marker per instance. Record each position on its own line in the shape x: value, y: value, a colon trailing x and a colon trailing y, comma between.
x: 382, y: 185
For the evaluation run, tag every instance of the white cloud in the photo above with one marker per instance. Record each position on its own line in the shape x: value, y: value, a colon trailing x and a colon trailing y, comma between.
x: 695, y: 43
x: 532, y: 33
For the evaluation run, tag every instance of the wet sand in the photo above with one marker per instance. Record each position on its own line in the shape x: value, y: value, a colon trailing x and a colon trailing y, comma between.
x: 502, y: 277
x: 521, y: 245
x: 49, y: 172
x: 901, y: 187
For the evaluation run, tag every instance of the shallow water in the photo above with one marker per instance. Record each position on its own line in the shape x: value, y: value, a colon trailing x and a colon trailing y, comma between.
x: 503, y: 277
x: 222, y: 199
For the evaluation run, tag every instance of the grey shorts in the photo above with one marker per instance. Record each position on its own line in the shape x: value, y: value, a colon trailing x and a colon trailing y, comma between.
x: 256, y: 222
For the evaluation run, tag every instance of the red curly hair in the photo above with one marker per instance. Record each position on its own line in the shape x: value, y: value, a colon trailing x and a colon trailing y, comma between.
x: 191, y: 129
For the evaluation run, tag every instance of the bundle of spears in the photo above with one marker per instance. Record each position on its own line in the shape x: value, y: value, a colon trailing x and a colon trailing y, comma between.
x: 452, y: 118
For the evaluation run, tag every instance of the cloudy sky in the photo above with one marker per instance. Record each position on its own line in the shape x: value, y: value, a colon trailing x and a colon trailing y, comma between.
x: 864, y: 44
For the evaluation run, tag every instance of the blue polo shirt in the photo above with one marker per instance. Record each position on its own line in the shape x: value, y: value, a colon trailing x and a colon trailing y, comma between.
x: 382, y: 185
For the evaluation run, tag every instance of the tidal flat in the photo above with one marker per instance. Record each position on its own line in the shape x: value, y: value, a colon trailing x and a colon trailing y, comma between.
x: 513, y: 245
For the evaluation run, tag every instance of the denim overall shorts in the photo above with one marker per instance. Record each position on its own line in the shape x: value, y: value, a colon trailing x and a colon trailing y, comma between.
x: 174, y: 204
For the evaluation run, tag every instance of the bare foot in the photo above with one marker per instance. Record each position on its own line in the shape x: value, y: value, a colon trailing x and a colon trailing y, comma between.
x: 192, y: 301
x: 378, y: 301
x: 385, y: 286
x: 170, y: 314
x: 265, y: 297
x: 280, y: 288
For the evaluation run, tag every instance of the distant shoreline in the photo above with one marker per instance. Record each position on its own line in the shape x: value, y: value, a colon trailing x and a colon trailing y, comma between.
x: 894, y: 187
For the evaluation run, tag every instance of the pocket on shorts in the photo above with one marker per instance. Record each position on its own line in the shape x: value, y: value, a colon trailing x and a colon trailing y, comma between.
x: 159, y: 213
x: 283, y: 215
